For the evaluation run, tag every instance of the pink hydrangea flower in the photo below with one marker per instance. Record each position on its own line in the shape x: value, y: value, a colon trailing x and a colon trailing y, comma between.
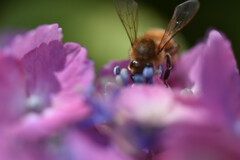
x: 48, y: 109
x: 43, y: 89
x: 200, y: 106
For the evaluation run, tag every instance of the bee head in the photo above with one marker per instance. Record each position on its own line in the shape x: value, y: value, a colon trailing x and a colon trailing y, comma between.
x: 136, y: 67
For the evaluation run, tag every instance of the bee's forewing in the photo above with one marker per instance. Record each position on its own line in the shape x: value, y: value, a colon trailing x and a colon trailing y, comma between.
x: 183, y: 14
x: 128, y: 14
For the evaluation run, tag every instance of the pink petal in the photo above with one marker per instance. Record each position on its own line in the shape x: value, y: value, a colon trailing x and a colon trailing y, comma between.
x: 14, y: 147
x: 217, y: 77
x: 180, y: 74
x: 154, y: 105
x: 187, y: 142
x: 84, y: 149
x: 76, y: 79
x: 40, y: 66
x: 12, y: 89
x: 210, y: 70
x: 78, y: 73
x: 68, y: 104
x: 23, y: 44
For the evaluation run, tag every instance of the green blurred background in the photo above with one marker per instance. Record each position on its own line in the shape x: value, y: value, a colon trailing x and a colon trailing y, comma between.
x: 95, y: 25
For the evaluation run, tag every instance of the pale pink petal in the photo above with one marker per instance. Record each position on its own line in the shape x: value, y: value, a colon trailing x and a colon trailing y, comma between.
x: 68, y: 103
x: 12, y: 89
x: 23, y: 44
x: 78, y: 73
x: 179, y: 77
x: 208, y: 142
x: 40, y: 66
x: 155, y: 105
x: 76, y: 81
x: 217, y: 77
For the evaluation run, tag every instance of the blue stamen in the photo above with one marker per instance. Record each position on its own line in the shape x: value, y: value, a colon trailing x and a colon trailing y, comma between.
x: 148, y: 73
x: 119, y: 79
x: 124, y: 75
x: 138, y: 78
x: 116, y: 70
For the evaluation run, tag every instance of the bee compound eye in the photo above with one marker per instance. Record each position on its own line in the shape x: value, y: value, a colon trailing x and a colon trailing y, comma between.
x: 134, y: 64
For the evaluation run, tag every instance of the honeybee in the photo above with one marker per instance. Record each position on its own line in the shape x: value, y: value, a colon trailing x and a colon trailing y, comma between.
x: 155, y: 46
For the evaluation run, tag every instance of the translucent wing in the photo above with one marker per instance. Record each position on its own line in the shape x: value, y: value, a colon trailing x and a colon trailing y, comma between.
x: 182, y: 15
x: 127, y: 11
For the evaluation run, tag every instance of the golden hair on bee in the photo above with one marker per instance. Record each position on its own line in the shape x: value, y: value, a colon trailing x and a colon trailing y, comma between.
x: 156, y: 46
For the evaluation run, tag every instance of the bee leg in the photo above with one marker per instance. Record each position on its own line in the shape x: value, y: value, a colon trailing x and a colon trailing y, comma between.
x: 165, y: 77
x: 168, y: 70
x: 132, y: 77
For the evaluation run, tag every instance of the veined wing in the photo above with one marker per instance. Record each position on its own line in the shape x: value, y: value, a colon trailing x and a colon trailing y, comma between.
x: 128, y: 13
x: 183, y: 14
